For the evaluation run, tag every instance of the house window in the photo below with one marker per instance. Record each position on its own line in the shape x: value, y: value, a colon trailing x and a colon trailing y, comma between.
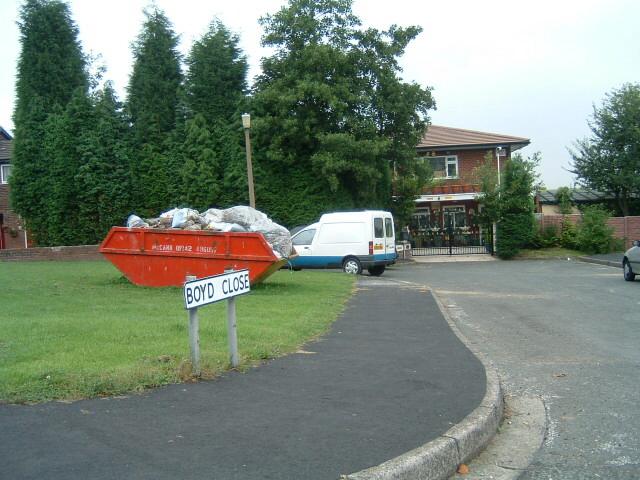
x: 421, y: 220
x: 454, y: 217
x: 444, y: 167
x: 5, y: 171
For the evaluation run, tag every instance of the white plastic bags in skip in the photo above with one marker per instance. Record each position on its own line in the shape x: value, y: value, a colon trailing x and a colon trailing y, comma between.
x: 234, y: 219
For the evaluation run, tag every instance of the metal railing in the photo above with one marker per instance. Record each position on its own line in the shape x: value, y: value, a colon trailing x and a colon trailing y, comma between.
x: 452, y: 242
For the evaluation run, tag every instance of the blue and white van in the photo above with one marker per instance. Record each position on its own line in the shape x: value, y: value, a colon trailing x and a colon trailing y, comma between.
x: 352, y: 241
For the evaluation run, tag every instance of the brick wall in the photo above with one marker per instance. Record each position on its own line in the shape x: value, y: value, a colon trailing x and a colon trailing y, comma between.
x: 14, y: 235
x: 626, y: 228
x: 468, y: 161
x: 82, y: 252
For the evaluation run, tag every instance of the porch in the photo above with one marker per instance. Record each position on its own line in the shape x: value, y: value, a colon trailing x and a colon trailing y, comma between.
x: 447, y: 223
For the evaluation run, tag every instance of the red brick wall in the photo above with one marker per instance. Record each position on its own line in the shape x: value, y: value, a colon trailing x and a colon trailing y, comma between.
x: 82, y: 252
x: 13, y: 233
x: 625, y: 228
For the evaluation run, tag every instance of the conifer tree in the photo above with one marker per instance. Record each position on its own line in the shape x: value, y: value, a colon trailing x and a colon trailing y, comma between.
x: 215, y: 89
x: 63, y: 137
x: 103, y: 180
x: 153, y: 99
x: 201, y: 179
x: 51, y: 67
x: 216, y: 80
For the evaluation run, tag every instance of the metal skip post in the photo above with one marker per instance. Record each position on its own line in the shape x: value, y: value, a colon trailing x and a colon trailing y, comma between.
x: 194, y: 336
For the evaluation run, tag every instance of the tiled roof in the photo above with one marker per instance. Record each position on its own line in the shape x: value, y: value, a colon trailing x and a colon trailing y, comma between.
x: 5, y: 149
x: 438, y: 137
x: 4, y: 135
x: 577, y: 196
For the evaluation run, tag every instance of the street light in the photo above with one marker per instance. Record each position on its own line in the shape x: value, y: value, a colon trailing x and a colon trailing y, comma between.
x: 500, y: 152
x: 246, y: 124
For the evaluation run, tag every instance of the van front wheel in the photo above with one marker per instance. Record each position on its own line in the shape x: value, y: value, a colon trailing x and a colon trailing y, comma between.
x: 352, y: 266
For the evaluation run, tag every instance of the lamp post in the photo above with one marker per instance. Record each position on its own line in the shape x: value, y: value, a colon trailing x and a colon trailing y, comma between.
x: 499, y: 153
x: 246, y: 124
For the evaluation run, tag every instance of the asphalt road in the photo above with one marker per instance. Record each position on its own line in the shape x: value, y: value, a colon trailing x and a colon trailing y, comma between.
x: 389, y: 377
x: 566, y: 331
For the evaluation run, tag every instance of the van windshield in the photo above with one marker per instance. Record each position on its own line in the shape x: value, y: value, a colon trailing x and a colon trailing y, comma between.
x: 304, y: 238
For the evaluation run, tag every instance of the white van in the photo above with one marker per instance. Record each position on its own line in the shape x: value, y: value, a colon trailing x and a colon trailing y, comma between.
x: 348, y: 240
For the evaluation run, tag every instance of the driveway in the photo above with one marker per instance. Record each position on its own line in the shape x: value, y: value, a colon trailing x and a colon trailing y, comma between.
x: 565, y: 331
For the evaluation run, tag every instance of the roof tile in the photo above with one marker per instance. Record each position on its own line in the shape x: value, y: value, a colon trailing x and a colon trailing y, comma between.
x: 438, y: 136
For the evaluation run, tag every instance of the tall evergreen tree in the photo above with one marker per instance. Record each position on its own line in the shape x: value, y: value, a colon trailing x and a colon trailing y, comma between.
x: 51, y: 67
x: 153, y: 99
x: 63, y: 138
x: 103, y: 180
x: 215, y: 89
x: 201, y: 179
x: 216, y: 79
x: 333, y: 118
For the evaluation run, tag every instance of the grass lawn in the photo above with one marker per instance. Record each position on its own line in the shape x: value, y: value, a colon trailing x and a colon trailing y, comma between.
x: 549, y: 253
x: 71, y: 330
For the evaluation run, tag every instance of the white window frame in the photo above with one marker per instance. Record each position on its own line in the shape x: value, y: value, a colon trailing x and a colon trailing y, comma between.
x: 423, y: 211
x: 452, y: 210
x: 4, y: 177
x: 448, y: 160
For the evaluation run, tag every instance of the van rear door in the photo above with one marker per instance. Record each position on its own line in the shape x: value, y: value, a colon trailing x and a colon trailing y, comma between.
x: 378, y: 238
x: 390, y: 239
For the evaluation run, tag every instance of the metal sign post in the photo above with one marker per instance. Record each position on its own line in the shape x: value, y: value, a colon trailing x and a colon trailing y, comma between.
x: 194, y: 336
x: 213, y: 289
x: 232, y: 331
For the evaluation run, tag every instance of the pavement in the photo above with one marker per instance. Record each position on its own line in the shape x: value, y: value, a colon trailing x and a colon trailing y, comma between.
x: 609, y: 259
x: 390, y: 392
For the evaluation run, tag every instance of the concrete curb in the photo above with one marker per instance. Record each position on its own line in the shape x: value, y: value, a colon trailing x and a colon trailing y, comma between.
x: 440, y: 458
x: 598, y: 261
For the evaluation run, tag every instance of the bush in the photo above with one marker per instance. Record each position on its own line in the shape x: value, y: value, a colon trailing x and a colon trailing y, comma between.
x: 568, y: 234
x: 514, y: 232
x: 593, y: 234
x: 545, y: 237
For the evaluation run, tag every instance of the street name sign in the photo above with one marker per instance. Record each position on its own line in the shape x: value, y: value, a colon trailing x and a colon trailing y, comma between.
x: 215, y: 288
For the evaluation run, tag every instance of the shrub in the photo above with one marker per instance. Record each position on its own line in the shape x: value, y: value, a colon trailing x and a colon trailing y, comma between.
x: 593, y: 234
x: 546, y: 237
x: 513, y: 233
x: 565, y: 204
x: 568, y: 234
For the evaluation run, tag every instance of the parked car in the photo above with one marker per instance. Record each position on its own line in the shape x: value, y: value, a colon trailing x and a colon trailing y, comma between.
x: 631, y: 262
x: 348, y: 240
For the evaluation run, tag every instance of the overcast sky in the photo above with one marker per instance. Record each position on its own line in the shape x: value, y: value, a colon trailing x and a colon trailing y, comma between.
x: 527, y: 68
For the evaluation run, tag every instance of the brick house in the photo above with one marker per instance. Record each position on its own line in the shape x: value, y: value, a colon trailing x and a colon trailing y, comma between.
x: 454, y: 154
x: 12, y: 235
